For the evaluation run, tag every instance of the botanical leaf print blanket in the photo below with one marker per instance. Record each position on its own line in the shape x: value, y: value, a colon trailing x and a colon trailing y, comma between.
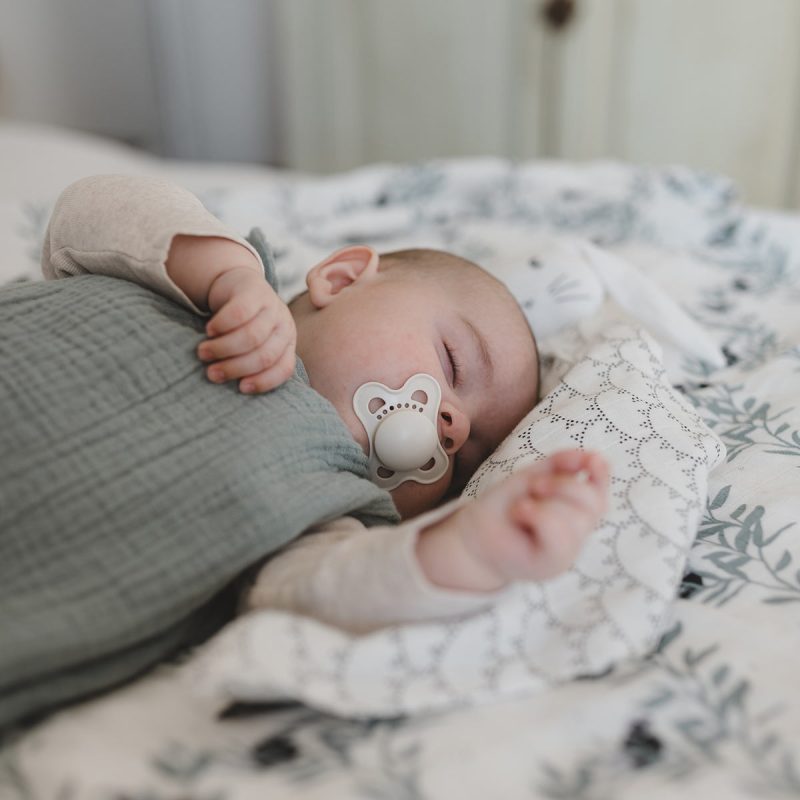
x: 714, y: 710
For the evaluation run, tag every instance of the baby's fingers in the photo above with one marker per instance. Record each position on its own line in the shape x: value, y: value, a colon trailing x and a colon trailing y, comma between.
x: 597, y: 471
x: 555, y: 531
x: 252, y: 363
x: 244, y: 339
x: 241, y: 308
x: 573, y: 490
x: 590, y: 466
x: 268, y: 379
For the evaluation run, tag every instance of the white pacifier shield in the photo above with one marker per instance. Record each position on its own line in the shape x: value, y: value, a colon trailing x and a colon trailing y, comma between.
x: 402, y: 431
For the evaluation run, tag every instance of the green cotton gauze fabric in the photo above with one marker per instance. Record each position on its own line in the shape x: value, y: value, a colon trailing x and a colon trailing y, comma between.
x: 133, y: 491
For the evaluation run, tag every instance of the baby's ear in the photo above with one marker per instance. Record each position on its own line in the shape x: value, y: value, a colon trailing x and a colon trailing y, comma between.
x: 340, y: 270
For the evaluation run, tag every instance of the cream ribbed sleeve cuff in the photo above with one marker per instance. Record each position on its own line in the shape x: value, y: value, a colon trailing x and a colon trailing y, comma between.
x: 123, y: 226
x: 360, y: 579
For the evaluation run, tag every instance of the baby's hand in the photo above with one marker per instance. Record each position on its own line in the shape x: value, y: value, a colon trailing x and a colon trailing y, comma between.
x: 529, y: 527
x: 252, y: 334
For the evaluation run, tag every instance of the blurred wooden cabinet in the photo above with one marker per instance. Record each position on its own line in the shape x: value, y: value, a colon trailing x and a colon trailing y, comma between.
x: 710, y: 83
x: 714, y: 84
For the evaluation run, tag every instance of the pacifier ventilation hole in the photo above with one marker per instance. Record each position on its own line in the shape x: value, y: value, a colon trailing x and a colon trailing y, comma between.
x: 398, y: 407
x: 375, y: 404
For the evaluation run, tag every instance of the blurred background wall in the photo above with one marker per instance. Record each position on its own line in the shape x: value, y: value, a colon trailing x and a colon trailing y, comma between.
x: 323, y: 85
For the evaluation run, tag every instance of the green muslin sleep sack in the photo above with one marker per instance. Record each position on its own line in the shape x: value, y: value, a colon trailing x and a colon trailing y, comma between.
x: 133, y: 491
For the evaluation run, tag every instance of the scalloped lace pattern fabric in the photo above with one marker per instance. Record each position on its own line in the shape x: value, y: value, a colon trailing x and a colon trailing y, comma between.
x: 611, y: 607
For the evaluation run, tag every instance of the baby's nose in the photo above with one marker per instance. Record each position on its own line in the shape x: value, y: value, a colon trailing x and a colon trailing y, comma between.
x: 453, y: 430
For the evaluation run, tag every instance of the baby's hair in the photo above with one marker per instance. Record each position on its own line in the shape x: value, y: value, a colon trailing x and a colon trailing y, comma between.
x: 434, y: 264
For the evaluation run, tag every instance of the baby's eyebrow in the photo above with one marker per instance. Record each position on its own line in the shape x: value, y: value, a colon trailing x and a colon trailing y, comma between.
x: 483, y: 348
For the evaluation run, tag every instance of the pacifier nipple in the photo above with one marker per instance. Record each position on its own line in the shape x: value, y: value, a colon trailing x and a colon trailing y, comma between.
x: 404, y: 440
x: 401, y: 427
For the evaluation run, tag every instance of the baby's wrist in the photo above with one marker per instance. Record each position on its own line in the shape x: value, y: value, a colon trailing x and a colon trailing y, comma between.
x: 447, y: 562
x: 195, y: 262
x: 227, y: 280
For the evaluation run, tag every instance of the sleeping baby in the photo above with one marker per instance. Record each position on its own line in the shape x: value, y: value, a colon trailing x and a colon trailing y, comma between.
x: 166, y: 433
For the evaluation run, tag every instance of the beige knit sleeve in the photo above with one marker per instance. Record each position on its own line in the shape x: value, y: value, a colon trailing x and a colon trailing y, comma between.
x: 360, y: 579
x: 123, y: 226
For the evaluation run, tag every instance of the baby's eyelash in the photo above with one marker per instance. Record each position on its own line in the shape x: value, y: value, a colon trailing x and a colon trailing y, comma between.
x: 455, y: 366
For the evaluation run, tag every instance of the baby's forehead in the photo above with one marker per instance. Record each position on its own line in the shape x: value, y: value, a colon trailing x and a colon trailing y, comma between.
x: 460, y: 286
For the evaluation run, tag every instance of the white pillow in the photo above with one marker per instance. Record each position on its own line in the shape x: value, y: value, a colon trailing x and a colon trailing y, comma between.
x: 611, y: 607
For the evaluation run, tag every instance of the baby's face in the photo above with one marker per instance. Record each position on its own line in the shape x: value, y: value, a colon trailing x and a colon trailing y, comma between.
x: 478, y: 346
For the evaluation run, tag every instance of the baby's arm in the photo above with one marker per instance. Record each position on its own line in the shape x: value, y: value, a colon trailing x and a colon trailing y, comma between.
x: 359, y: 579
x: 252, y: 334
x: 124, y: 226
x: 453, y: 560
x: 531, y: 526
x: 154, y: 233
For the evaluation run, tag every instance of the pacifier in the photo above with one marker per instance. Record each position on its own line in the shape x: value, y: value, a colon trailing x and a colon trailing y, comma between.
x: 401, y: 428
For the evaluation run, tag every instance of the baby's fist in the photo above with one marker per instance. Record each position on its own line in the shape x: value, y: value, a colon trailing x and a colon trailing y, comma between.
x: 252, y: 334
x: 531, y: 526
